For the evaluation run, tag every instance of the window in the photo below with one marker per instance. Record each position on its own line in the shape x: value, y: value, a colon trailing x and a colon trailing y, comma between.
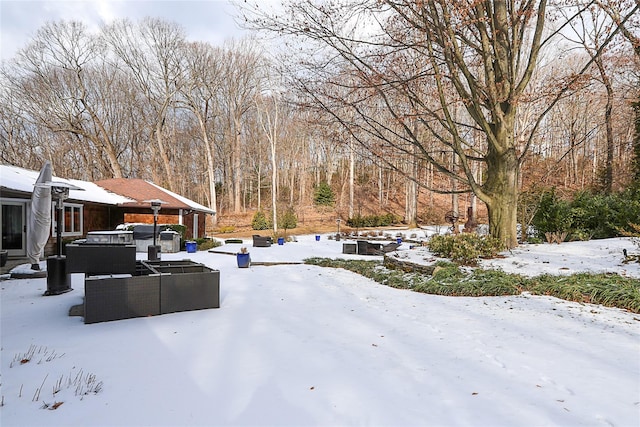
x: 71, y: 219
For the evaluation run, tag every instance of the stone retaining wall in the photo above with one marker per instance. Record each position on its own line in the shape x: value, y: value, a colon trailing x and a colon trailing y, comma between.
x: 394, y: 263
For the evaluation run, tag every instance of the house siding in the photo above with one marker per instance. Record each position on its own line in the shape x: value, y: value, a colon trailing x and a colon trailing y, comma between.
x: 99, y: 218
x: 148, y: 218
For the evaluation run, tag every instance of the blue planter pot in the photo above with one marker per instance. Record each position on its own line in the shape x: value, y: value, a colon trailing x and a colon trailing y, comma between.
x: 243, y: 260
x: 317, y: 238
x: 191, y: 247
x: 281, y: 240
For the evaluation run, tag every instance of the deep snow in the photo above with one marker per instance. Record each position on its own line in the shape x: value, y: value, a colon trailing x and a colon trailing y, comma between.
x: 305, y: 345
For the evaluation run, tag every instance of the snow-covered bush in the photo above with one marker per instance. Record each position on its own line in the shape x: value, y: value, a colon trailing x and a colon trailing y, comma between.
x: 465, y: 248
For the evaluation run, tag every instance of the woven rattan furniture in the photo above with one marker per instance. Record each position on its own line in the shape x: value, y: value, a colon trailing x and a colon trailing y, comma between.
x: 94, y: 259
x: 262, y: 241
x: 366, y: 248
x: 156, y: 287
x: 185, y: 286
x: 349, y: 248
x: 121, y: 296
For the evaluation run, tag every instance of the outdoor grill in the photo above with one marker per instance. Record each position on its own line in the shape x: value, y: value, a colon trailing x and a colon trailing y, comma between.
x: 110, y: 237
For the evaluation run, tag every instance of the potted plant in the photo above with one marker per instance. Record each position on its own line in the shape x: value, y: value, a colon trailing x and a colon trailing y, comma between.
x: 243, y: 258
x: 278, y: 238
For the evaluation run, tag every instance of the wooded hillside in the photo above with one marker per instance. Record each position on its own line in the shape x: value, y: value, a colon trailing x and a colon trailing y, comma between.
x: 227, y: 126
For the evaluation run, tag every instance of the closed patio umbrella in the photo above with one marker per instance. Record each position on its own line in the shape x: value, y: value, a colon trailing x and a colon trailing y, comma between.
x: 40, y: 220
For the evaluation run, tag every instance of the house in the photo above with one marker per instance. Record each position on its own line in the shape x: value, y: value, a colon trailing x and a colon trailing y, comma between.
x: 175, y: 209
x: 93, y: 208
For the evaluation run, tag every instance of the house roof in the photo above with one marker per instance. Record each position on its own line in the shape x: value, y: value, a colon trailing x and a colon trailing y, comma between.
x: 118, y: 192
x: 142, y: 191
x: 22, y: 180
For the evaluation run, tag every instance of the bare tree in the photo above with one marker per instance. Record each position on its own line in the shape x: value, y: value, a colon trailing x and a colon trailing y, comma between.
x: 479, y: 55
x: 58, y: 80
x: 17, y: 145
x: 238, y: 96
x: 204, y: 78
x: 150, y: 51
x: 591, y: 31
x: 269, y: 116
x: 630, y: 28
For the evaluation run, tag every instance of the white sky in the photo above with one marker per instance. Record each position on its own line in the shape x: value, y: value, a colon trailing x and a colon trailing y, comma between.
x: 204, y: 20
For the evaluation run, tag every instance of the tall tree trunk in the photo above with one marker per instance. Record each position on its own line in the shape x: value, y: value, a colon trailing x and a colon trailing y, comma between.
x: 259, y: 190
x: 500, y: 194
x: 411, y: 208
x: 210, y: 166
x: 352, y: 163
x: 430, y: 184
x: 380, y: 186
x: 292, y: 183
x: 166, y: 163
x: 236, y: 165
x: 608, y: 113
x: 455, y: 205
x: 103, y: 139
x: 302, y: 182
x: 274, y: 188
x: 636, y: 146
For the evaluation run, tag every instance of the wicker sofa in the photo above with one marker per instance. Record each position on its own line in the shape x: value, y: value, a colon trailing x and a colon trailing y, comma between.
x: 262, y: 241
x: 367, y: 248
x: 156, y: 287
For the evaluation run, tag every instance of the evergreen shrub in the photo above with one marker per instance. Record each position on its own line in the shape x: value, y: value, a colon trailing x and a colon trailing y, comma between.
x: 553, y: 215
x: 324, y: 195
x: 384, y: 220
x: 588, y: 215
x: 288, y: 219
x: 259, y: 221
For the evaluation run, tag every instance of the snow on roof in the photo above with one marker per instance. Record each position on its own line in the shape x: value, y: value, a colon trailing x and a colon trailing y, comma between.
x: 20, y: 179
x: 184, y: 200
x: 143, y: 191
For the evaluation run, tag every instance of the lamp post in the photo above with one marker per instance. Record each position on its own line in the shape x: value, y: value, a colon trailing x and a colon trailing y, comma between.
x: 338, y: 221
x: 153, y: 252
x: 58, y: 281
x: 59, y: 194
x: 155, y: 207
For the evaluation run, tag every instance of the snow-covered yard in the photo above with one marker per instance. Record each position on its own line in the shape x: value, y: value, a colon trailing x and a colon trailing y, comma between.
x: 304, y: 345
